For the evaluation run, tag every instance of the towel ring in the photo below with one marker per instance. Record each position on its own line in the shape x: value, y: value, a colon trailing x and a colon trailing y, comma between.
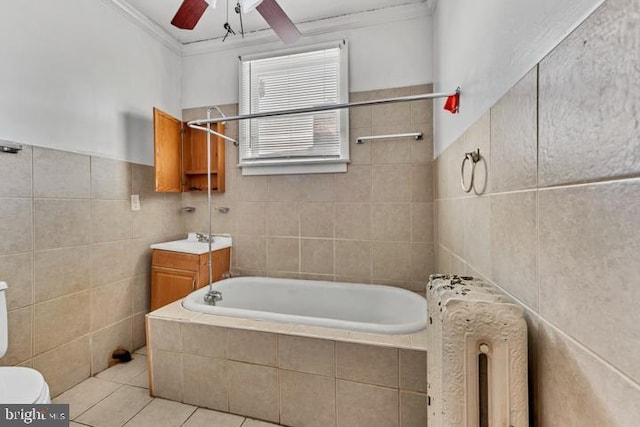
x: 473, y: 157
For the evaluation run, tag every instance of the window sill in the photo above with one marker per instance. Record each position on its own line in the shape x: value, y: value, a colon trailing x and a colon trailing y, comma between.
x: 291, y: 167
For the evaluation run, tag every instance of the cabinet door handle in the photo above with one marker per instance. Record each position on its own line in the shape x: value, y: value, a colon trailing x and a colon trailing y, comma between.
x: 193, y: 284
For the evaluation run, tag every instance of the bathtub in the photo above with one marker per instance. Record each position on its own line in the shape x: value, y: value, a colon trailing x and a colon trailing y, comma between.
x: 274, y: 346
x: 357, y: 307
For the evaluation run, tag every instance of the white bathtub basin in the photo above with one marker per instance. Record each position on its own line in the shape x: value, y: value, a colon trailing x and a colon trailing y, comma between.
x: 359, y: 307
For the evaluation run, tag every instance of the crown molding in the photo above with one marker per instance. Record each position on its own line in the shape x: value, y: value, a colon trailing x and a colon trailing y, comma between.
x: 257, y: 38
x: 314, y: 28
x: 151, y: 27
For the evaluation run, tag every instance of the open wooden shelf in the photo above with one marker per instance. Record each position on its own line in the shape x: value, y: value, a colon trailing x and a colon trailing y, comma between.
x: 181, y: 156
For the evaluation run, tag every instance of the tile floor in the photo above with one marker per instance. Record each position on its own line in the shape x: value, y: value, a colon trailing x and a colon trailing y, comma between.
x: 119, y: 396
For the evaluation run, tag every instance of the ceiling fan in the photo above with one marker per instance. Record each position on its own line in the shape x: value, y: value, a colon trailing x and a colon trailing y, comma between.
x: 191, y: 11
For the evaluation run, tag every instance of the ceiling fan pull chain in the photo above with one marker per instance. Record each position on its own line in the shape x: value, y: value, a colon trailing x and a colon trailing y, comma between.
x: 239, y: 12
x: 229, y: 31
x: 227, y: 26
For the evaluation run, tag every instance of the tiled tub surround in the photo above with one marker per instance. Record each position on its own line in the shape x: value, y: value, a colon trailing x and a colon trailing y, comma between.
x: 373, y: 224
x: 559, y: 226
x: 76, y: 258
x: 285, y: 373
x: 119, y: 396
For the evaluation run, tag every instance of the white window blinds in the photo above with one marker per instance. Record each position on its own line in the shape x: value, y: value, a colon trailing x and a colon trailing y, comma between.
x: 283, y: 82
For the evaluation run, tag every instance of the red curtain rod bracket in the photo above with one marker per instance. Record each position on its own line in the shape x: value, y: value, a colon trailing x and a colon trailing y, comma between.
x: 453, y: 103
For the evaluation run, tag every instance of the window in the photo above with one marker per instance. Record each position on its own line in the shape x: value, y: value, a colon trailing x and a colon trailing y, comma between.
x: 303, y: 143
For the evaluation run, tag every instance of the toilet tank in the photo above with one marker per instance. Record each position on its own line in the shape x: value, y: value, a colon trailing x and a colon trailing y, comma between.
x: 4, y: 335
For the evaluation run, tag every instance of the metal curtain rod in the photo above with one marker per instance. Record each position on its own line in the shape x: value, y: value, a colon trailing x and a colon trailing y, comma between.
x: 213, y: 132
x: 325, y: 107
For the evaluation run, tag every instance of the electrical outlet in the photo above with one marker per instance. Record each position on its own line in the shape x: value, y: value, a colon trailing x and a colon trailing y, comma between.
x: 135, y: 202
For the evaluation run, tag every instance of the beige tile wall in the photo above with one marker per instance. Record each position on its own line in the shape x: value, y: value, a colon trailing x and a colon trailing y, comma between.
x: 559, y: 225
x: 373, y: 224
x: 76, y: 258
x: 287, y: 379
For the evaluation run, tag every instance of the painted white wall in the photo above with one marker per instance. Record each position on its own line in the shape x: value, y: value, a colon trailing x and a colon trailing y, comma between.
x: 487, y: 46
x: 77, y: 75
x: 381, y: 56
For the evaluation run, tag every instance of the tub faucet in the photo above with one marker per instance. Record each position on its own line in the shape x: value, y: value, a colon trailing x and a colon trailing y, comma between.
x: 212, y: 297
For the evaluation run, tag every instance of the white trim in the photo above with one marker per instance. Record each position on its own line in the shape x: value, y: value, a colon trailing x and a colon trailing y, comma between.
x: 151, y: 27
x: 301, y: 165
x: 288, y: 161
x: 345, y: 140
x: 256, y: 38
x: 302, y: 48
x: 295, y: 168
x: 313, y: 28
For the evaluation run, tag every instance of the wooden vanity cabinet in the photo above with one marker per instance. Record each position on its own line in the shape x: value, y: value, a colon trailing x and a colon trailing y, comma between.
x: 174, y: 275
x: 170, y: 284
x: 180, y: 155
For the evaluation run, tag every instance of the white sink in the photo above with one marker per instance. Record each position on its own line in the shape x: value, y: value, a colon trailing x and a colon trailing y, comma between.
x: 191, y: 245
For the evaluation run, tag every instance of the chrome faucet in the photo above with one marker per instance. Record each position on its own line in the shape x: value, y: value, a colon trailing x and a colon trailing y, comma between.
x: 203, y: 238
x: 212, y: 297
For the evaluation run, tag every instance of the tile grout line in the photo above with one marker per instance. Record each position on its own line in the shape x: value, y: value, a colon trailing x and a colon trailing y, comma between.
x: 335, y: 380
x: 89, y: 408
x: 601, y: 181
x: 190, y: 416
x: 195, y: 409
x: 537, y: 279
x: 33, y: 260
x: 130, y: 242
x: 398, y: 371
x: 92, y: 368
x: 596, y: 181
x: 141, y: 409
x: 277, y: 339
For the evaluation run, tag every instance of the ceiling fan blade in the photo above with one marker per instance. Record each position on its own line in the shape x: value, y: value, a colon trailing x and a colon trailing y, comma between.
x: 189, y: 14
x: 279, y: 21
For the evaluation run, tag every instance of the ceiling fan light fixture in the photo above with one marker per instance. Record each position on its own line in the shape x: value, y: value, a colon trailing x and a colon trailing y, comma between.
x: 249, y: 5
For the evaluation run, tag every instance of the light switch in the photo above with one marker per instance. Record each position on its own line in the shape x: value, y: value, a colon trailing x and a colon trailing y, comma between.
x: 135, y: 202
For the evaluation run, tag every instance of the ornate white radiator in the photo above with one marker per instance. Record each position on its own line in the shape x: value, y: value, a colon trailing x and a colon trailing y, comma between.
x: 477, y: 356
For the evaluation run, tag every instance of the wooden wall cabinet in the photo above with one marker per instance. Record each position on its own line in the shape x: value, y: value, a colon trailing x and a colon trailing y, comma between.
x: 174, y: 275
x: 180, y: 155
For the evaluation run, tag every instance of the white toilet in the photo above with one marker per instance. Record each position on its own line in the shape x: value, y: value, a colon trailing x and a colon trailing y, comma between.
x: 18, y: 385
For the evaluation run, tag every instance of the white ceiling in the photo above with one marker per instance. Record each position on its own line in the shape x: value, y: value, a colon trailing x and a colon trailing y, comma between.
x: 211, y: 24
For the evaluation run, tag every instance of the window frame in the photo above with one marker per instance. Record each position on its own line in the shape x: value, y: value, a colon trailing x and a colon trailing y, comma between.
x: 275, y: 166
